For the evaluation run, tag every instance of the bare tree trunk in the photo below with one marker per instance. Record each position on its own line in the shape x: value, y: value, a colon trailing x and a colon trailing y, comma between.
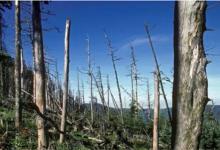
x: 148, y: 101
x: 101, y: 87
x: 18, y: 110
x: 132, y: 85
x: 116, y: 74
x: 83, y: 95
x: 135, y: 78
x: 39, y: 73
x: 78, y: 90
x: 22, y: 70
x: 156, y: 111
x: 47, y: 85
x: 66, y: 79
x: 159, y: 74
x: 34, y: 68
x: 190, y: 85
x: 58, y: 89
x: 90, y: 77
x: 108, y: 95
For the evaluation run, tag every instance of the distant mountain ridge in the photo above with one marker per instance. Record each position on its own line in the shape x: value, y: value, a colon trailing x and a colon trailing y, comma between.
x: 215, y: 109
x: 163, y: 111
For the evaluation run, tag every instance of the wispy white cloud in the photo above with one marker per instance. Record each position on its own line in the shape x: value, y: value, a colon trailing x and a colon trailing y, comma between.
x: 143, y: 40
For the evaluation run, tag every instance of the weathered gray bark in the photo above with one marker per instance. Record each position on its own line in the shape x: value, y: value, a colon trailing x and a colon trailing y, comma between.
x: 90, y: 78
x: 156, y: 111
x: 22, y: 70
x: 148, y: 101
x: 108, y: 95
x: 101, y: 87
x: 159, y: 74
x: 78, y: 90
x: 113, y: 58
x: 190, y: 85
x: 18, y: 110
x: 134, y: 77
x: 83, y: 95
x: 66, y: 79
x: 39, y: 73
x: 132, y: 84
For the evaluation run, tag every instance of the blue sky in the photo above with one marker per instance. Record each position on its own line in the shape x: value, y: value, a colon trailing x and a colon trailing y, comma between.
x: 124, y: 22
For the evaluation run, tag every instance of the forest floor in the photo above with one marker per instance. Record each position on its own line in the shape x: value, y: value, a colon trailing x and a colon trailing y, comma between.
x: 103, y: 133
x: 81, y: 134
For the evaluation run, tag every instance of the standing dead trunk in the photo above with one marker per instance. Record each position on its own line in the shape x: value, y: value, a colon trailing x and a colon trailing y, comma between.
x: 156, y: 111
x: 101, y: 87
x: 159, y: 74
x: 22, y: 70
x: 18, y: 110
x: 113, y: 58
x: 108, y: 95
x: 83, y: 95
x: 66, y: 80
x: 132, y: 84
x: 190, y: 94
x: 134, y: 77
x: 90, y: 78
x: 148, y: 101
x: 39, y: 73
x: 78, y: 91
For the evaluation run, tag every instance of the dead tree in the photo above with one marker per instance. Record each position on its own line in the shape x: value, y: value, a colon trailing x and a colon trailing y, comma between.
x: 148, y: 101
x: 90, y: 78
x: 18, y: 109
x: 66, y: 79
x: 159, y: 74
x: 101, y: 86
x: 78, y: 91
x: 28, y: 29
x: 190, y: 85
x: 114, y: 59
x: 39, y: 73
x: 108, y: 95
x: 156, y: 111
x: 83, y: 93
x: 22, y: 69
x: 134, y: 77
x: 58, y: 85
x: 47, y: 83
x: 132, y: 83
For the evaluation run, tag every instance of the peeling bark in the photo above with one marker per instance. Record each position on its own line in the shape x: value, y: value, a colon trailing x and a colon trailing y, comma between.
x: 190, y: 94
x: 39, y: 74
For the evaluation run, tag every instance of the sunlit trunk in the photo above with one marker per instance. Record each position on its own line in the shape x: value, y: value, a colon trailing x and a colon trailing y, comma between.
x: 39, y: 73
x: 66, y: 80
x: 190, y: 85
